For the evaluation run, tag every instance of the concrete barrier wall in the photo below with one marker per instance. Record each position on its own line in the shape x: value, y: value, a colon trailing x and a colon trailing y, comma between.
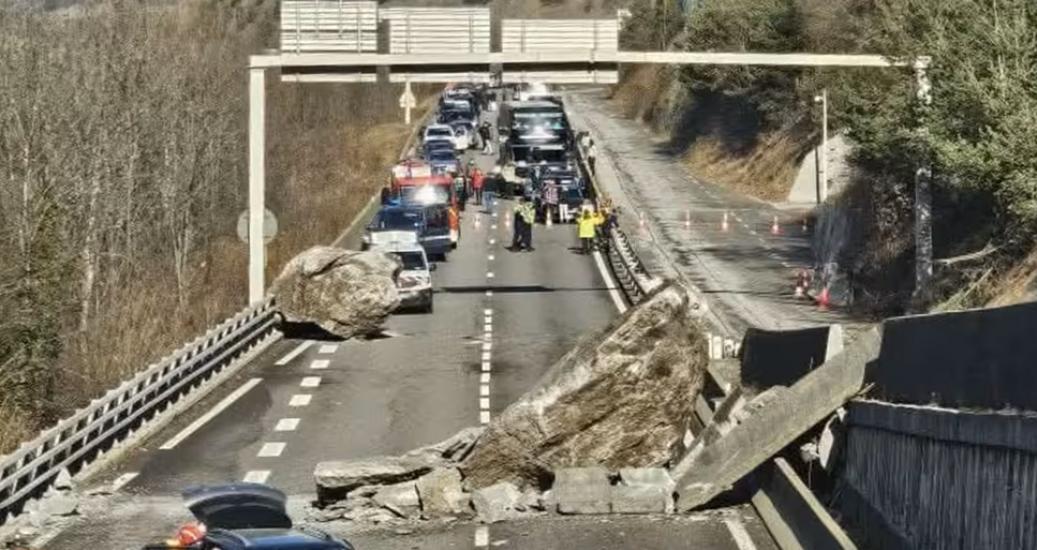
x: 920, y: 478
x: 983, y: 359
x: 780, y: 358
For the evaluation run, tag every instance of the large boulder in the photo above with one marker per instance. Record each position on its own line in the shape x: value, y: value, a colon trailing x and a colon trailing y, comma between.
x: 620, y: 399
x: 345, y: 292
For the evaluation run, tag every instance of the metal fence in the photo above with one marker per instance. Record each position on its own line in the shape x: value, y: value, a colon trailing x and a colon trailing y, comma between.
x: 437, y: 30
x: 551, y: 35
x: 329, y: 26
x: 77, y: 440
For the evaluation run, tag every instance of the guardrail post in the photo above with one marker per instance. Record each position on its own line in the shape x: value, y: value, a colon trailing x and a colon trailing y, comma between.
x: 256, y: 183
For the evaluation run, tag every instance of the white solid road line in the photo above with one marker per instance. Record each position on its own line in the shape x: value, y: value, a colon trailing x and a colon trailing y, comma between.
x: 217, y: 409
x: 286, y: 425
x: 256, y: 476
x: 320, y: 364
x: 300, y: 400
x: 310, y: 382
x: 294, y: 353
x: 617, y: 298
x: 738, y: 532
x: 328, y: 348
x: 123, y: 480
x: 482, y: 536
x: 271, y: 450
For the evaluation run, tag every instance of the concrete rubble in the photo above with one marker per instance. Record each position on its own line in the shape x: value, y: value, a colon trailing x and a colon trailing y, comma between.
x: 345, y: 292
x: 619, y: 399
x: 441, y: 494
x: 497, y: 503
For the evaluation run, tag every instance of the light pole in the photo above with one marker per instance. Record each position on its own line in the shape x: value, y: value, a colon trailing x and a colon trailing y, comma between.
x: 822, y: 183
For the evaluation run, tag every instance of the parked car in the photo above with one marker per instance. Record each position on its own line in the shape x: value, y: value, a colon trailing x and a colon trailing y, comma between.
x: 431, y: 223
x: 464, y: 133
x: 437, y: 131
x: 443, y: 161
x: 244, y: 516
x: 415, y: 280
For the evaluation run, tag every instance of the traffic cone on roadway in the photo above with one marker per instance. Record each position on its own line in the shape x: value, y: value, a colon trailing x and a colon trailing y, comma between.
x: 548, y: 218
x: 823, y: 299
x: 687, y: 220
x: 775, y: 228
x: 477, y: 220
x: 724, y: 224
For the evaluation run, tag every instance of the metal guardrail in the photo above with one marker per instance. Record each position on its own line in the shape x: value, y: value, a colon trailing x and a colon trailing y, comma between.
x: 76, y: 441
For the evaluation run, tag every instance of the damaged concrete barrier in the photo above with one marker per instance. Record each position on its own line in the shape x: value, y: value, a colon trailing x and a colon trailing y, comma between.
x: 441, y: 494
x: 581, y: 491
x: 771, y: 421
x: 335, y: 479
x: 643, y: 491
x: 496, y: 503
x: 345, y: 292
x: 621, y: 398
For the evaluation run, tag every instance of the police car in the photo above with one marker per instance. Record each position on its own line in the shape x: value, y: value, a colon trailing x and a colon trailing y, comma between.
x: 415, y: 280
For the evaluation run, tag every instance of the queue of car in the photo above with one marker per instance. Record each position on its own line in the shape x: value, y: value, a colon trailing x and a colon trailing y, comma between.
x: 419, y: 219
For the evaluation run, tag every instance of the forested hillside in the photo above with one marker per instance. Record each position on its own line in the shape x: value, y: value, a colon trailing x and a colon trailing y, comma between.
x: 123, y: 148
x: 979, y: 132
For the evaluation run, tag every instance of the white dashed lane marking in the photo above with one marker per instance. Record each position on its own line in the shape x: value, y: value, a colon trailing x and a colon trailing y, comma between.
x: 294, y: 353
x: 482, y: 536
x: 310, y: 382
x: 487, y: 328
x: 328, y: 349
x: 213, y: 412
x: 320, y: 364
x: 484, y: 390
x: 486, y: 366
x: 484, y: 403
x: 487, y: 346
x: 490, y: 257
x: 484, y: 417
x: 256, y: 476
x: 271, y: 450
x: 489, y: 274
x: 286, y: 425
x: 484, y: 378
x: 300, y: 400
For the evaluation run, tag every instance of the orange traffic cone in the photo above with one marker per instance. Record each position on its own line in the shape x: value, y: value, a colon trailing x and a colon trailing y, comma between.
x: 775, y: 228
x: 823, y: 299
x: 724, y: 224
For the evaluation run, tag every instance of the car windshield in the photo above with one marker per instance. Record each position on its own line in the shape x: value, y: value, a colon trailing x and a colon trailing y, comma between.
x: 398, y: 219
x: 437, y: 132
x: 439, y: 144
x: 412, y: 260
x: 425, y: 194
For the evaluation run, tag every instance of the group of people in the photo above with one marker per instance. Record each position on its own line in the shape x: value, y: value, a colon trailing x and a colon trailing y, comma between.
x: 592, y: 226
x: 474, y: 183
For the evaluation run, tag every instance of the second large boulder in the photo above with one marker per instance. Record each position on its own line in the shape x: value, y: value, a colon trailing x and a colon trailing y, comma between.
x: 622, y: 398
x: 345, y: 292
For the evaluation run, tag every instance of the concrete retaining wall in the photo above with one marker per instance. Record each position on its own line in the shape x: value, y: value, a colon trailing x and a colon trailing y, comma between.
x: 981, y: 359
x: 780, y: 358
x: 930, y: 478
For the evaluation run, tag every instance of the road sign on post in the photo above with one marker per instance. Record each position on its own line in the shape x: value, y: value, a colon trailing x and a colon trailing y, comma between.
x: 407, y: 101
x: 269, y: 226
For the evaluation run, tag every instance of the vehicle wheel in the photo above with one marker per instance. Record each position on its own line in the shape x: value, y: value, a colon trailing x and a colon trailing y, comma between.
x: 428, y: 306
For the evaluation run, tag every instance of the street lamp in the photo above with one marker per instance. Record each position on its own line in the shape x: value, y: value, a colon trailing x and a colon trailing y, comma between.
x: 822, y: 184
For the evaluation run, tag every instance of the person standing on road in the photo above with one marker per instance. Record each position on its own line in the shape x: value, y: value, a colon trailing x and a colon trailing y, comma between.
x: 550, y: 199
x: 529, y: 215
x: 592, y: 157
x: 386, y: 195
x: 486, y: 134
x: 478, y: 179
x: 491, y: 186
x: 518, y: 232
x: 585, y: 231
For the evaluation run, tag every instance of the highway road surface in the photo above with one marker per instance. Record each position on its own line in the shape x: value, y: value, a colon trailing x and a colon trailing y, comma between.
x: 746, y: 272
x: 501, y: 319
